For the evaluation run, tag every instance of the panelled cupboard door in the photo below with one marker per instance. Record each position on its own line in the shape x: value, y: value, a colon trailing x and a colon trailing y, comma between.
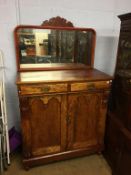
x: 86, y: 120
x: 43, y: 124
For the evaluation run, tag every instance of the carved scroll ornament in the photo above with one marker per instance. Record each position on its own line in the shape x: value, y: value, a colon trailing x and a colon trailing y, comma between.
x: 57, y: 21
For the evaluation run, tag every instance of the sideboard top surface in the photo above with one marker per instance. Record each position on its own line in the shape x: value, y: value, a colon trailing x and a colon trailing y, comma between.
x: 61, y: 76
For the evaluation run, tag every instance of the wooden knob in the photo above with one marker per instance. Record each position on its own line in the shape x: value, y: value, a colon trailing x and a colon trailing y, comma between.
x: 19, y: 91
x: 91, y: 86
x: 45, y: 89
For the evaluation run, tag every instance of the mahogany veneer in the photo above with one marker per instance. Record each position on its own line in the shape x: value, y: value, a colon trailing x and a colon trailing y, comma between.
x: 63, y: 110
x: 62, y: 118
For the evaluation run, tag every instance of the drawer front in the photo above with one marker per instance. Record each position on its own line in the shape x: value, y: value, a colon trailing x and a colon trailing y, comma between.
x: 43, y: 88
x: 90, y: 85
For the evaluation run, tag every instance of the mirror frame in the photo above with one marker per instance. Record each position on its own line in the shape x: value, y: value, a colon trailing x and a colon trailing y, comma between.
x: 57, y: 66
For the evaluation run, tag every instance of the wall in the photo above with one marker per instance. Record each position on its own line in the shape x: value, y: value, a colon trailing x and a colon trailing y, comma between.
x: 101, y: 15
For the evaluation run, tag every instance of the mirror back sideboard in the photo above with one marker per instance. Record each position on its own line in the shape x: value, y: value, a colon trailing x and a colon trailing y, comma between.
x: 63, y: 99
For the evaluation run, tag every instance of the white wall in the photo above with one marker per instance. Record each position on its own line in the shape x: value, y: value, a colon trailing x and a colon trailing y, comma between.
x: 101, y: 15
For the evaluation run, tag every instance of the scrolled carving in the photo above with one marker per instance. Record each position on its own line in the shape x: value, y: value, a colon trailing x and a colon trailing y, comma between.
x: 57, y: 21
x: 24, y: 101
x: 105, y: 99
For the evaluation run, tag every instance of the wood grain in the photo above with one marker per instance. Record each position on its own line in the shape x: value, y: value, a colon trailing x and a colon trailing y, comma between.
x: 42, y: 88
x: 62, y: 113
x: 60, y: 76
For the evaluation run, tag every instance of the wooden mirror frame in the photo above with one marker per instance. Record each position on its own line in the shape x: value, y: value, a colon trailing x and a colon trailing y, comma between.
x: 60, y: 24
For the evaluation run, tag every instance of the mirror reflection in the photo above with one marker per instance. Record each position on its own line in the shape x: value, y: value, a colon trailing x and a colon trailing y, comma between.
x: 38, y: 46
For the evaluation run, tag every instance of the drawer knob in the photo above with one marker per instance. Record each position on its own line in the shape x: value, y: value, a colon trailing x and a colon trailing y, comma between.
x: 105, y: 101
x: 68, y: 119
x: 24, y: 109
x: 45, y: 89
x: 91, y: 86
x: 19, y: 91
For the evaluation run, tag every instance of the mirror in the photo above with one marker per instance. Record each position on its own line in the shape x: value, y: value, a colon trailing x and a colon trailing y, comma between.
x: 47, y: 47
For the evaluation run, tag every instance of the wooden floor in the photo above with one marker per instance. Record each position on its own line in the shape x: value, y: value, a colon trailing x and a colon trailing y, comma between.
x: 89, y: 165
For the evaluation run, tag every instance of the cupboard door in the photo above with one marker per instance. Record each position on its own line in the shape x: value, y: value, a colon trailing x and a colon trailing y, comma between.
x: 83, y: 116
x: 43, y: 124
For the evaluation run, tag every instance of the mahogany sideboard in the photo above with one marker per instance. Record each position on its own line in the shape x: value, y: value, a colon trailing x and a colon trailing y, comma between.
x: 63, y: 105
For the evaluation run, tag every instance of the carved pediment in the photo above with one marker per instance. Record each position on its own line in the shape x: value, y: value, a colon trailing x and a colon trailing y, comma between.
x: 57, y: 21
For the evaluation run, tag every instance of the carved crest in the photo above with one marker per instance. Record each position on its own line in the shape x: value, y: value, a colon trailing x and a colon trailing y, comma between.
x: 57, y: 21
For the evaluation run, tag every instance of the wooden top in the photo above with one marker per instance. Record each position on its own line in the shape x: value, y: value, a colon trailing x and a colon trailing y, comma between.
x: 61, y: 76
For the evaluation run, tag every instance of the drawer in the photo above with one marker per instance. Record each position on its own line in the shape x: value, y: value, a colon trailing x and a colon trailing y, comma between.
x: 90, y: 85
x: 42, y: 88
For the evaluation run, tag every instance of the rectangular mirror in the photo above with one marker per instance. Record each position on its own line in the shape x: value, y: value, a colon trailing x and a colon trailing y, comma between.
x: 43, y: 48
